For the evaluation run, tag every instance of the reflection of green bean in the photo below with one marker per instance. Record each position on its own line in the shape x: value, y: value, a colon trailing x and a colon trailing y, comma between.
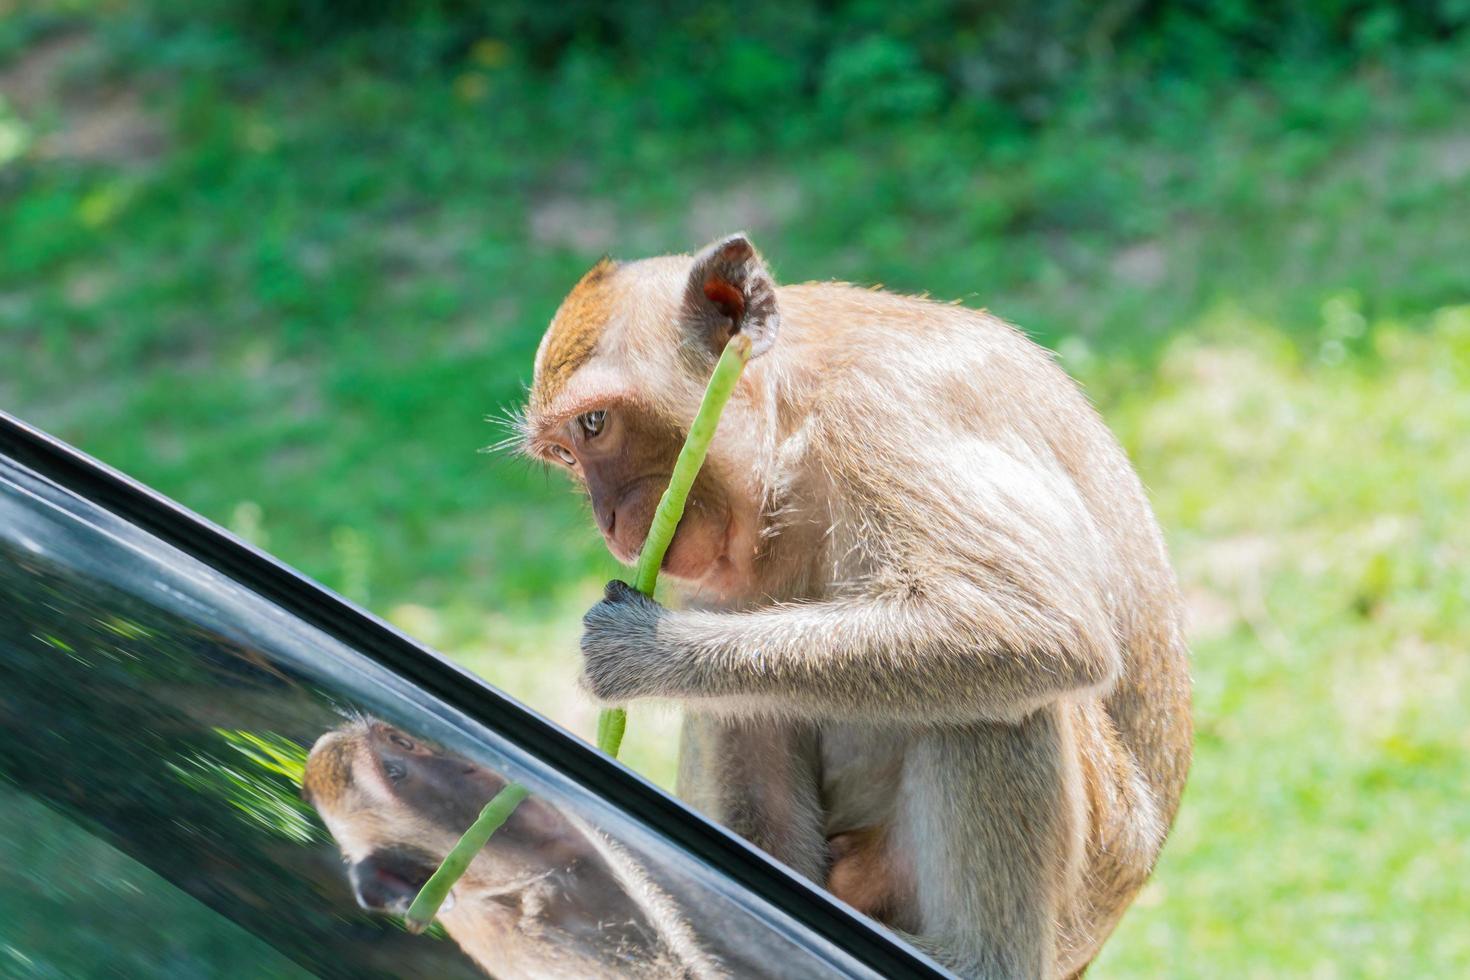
x: 431, y: 896
x: 611, y: 721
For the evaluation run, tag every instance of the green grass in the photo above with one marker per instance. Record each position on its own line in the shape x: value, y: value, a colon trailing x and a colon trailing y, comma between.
x: 286, y: 293
x: 1320, y: 528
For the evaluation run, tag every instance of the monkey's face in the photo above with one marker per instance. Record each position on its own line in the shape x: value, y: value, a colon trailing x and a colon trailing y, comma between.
x: 396, y: 806
x: 619, y: 376
x: 623, y: 455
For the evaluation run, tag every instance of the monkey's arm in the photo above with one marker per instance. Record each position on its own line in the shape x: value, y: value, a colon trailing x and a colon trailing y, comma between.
x: 969, y: 654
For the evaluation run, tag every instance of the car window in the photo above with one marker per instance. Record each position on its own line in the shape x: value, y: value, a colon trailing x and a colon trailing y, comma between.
x: 156, y: 707
x: 71, y: 905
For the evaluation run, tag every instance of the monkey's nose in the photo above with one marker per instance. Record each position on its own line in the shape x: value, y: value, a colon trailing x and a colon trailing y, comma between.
x: 607, y: 520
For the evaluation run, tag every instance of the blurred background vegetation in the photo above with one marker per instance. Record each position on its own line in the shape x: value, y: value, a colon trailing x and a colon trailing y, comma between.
x: 280, y: 258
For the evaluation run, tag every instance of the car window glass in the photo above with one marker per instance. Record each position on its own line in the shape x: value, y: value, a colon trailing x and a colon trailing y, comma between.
x: 71, y: 905
x: 170, y: 710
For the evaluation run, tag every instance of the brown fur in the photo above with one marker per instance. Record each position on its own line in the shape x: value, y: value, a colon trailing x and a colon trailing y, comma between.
x: 929, y: 605
x: 864, y: 873
x: 574, y: 331
x: 329, y: 776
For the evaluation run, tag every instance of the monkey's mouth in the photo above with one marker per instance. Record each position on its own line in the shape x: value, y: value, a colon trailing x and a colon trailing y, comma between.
x: 702, y: 542
x: 391, y: 878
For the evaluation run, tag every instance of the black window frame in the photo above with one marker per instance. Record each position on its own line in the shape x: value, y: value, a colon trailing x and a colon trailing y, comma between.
x: 323, y: 609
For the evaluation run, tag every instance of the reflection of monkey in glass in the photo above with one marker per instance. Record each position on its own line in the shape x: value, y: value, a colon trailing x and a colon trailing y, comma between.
x: 937, y: 663
x: 550, y: 898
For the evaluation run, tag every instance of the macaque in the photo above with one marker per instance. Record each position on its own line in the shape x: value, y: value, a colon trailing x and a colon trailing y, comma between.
x: 551, y: 897
x: 930, y: 650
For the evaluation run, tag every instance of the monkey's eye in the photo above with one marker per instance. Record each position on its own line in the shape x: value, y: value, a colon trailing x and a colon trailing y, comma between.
x: 592, y: 422
x: 395, y: 771
x: 401, y: 742
x: 564, y: 454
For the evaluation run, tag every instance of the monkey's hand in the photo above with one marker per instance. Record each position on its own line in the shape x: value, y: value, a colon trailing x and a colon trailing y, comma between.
x: 621, y: 659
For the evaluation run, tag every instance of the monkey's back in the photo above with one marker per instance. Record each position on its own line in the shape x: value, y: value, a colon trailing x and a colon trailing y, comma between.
x: 982, y: 379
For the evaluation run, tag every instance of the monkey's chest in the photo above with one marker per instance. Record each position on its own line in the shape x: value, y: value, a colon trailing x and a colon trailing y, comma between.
x: 861, y: 769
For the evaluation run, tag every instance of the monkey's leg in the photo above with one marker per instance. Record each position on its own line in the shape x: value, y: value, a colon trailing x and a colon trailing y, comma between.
x: 993, y: 818
x: 760, y: 777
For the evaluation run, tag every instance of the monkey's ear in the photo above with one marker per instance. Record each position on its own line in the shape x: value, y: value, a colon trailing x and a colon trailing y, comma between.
x: 388, y: 880
x: 731, y: 291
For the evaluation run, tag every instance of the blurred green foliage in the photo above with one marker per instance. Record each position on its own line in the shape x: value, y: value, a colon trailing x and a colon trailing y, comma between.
x: 265, y: 793
x: 864, y: 59
x: 278, y: 259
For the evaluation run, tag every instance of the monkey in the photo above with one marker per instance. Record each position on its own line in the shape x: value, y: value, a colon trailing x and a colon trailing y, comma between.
x: 551, y: 896
x: 929, y: 642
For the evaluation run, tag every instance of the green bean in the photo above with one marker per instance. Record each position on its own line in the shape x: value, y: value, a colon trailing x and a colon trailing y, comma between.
x: 611, y: 722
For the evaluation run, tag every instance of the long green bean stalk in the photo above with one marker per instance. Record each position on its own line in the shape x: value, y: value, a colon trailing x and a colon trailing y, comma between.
x: 611, y: 722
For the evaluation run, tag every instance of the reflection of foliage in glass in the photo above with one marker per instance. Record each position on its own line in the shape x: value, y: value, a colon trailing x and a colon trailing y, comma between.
x: 270, y: 751
x: 265, y: 793
x: 55, y: 641
x: 124, y: 627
